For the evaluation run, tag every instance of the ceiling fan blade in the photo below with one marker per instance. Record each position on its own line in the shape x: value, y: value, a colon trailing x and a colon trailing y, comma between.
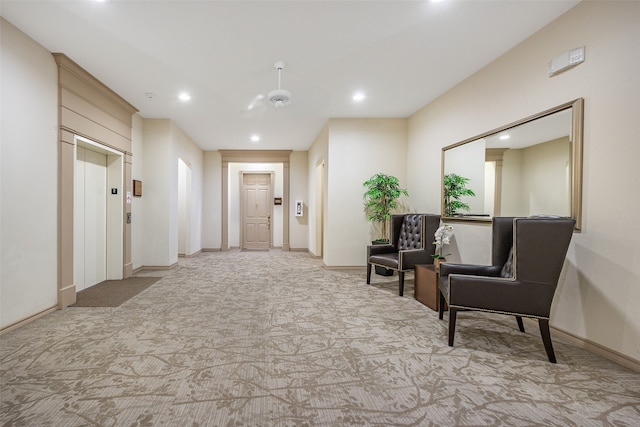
x: 256, y: 102
x: 256, y: 107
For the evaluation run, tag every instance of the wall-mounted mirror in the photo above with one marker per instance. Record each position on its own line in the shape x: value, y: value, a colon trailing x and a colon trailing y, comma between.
x: 529, y: 167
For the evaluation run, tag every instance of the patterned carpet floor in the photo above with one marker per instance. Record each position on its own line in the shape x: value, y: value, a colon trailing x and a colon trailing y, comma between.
x: 274, y: 339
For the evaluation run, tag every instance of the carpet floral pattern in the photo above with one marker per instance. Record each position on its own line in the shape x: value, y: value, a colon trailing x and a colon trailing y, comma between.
x: 274, y: 339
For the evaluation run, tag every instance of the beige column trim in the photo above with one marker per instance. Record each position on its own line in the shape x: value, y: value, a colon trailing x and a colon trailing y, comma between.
x: 66, y: 167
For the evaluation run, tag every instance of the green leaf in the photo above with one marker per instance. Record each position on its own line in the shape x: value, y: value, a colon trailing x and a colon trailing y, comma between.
x: 382, y: 192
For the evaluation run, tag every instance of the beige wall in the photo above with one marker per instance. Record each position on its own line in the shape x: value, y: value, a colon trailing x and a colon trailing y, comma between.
x: 163, y: 144
x: 137, y: 205
x: 298, y: 190
x: 600, y: 286
x: 357, y: 150
x: 29, y: 177
x: 184, y: 148
x: 156, y: 198
x: 212, y: 201
x: 317, y: 158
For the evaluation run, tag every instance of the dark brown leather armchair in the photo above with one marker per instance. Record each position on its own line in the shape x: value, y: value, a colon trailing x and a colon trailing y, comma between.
x: 411, y: 244
x: 527, y: 258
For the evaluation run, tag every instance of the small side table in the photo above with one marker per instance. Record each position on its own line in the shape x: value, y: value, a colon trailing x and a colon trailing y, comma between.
x: 426, y: 286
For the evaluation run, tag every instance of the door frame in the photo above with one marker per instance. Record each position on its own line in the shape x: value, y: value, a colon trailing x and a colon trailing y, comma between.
x: 243, y: 204
x: 115, y: 206
x: 255, y: 156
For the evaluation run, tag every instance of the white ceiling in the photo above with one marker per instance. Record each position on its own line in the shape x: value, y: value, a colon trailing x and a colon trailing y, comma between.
x: 402, y: 54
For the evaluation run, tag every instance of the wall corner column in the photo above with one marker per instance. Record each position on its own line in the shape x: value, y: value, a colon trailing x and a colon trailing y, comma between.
x: 224, y: 244
x: 127, y: 264
x: 66, y: 166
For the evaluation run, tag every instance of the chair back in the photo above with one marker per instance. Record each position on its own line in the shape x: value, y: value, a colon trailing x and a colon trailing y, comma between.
x: 410, y: 235
x: 502, y: 240
x: 541, y: 247
x: 417, y: 228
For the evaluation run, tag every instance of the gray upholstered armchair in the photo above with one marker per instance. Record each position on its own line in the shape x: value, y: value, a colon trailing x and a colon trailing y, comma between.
x: 411, y: 244
x: 527, y: 258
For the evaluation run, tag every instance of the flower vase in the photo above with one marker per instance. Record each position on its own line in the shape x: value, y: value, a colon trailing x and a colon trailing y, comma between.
x: 436, y: 263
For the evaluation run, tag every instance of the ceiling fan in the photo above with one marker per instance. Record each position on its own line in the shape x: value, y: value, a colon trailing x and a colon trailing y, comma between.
x: 279, y: 97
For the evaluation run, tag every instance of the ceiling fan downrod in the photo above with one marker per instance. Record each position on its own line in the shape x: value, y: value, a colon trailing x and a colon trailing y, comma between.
x: 279, y: 97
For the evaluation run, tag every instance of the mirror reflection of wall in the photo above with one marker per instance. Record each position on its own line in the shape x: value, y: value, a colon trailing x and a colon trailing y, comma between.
x: 536, y: 179
x: 530, y: 167
x: 468, y: 161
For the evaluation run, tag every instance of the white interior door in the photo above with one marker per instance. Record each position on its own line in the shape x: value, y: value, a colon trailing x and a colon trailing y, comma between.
x: 256, y: 208
x: 90, y: 218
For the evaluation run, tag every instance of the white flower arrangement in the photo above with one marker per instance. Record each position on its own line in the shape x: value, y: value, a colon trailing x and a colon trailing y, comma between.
x: 443, y: 237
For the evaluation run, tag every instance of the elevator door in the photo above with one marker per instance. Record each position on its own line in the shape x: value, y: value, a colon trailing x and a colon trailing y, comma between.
x: 90, y: 218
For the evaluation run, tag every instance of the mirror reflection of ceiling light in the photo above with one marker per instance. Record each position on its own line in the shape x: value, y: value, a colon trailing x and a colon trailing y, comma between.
x: 503, y: 137
x: 184, y: 96
x: 255, y: 138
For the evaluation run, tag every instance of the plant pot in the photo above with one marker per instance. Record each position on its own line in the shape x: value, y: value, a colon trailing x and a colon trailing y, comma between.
x: 381, y: 271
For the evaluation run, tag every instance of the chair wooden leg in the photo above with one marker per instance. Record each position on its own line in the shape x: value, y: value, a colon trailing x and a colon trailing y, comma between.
x: 452, y: 324
x: 546, y: 339
x: 368, y: 273
x: 401, y: 282
x: 520, y: 324
x: 441, y: 305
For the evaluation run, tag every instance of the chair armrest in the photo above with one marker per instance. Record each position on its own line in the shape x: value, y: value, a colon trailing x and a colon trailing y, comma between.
x: 447, y: 268
x: 408, y: 259
x: 499, y: 294
x: 380, y: 249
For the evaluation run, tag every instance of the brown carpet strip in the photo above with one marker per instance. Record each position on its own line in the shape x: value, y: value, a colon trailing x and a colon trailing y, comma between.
x: 113, y: 293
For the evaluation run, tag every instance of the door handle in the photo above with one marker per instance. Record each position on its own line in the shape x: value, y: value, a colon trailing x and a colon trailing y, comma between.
x: 268, y: 222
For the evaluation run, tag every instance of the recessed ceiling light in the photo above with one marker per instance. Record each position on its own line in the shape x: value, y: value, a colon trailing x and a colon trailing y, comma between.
x: 150, y: 95
x: 503, y: 137
x: 255, y: 138
x: 358, y: 96
x: 184, y: 96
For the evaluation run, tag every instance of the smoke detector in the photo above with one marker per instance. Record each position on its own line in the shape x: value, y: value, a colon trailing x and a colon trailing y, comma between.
x: 279, y: 97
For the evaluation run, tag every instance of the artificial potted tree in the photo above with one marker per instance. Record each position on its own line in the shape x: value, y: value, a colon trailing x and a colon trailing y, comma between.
x: 380, y: 199
x: 455, y: 187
